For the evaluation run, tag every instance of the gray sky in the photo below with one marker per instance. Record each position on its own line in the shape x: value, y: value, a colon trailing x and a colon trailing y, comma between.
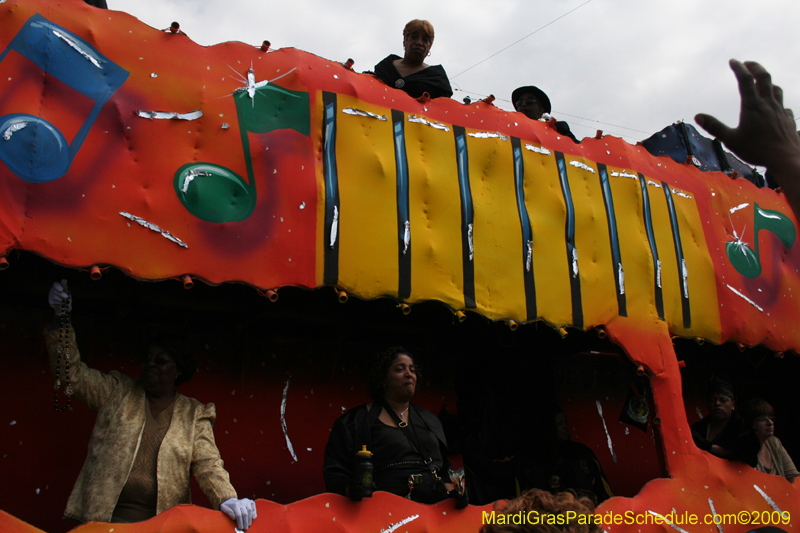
x: 628, y: 67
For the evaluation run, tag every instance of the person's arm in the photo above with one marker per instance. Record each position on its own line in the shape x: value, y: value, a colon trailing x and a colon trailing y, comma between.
x: 207, y: 465
x: 90, y: 386
x: 338, y: 466
x: 209, y: 471
x: 789, y: 469
x: 766, y: 134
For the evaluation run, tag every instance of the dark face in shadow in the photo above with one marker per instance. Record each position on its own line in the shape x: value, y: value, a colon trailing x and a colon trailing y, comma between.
x: 530, y: 106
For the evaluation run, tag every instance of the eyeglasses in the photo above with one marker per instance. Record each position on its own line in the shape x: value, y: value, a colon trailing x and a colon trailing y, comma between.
x: 526, y: 102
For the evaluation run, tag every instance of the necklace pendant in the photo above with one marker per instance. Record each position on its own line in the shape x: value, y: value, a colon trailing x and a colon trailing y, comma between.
x: 403, y: 424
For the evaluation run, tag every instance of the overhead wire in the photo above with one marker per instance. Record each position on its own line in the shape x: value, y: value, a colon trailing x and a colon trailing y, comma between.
x: 561, y: 112
x: 520, y: 40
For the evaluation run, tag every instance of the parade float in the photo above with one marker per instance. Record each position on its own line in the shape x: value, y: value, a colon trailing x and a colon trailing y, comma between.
x: 317, y: 214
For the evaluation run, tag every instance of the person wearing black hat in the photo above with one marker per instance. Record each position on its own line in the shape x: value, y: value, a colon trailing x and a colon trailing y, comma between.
x: 723, y: 432
x: 534, y: 103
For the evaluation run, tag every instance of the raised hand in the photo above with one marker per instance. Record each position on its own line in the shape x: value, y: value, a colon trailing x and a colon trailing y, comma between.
x: 59, y: 294
x: 766, y: 134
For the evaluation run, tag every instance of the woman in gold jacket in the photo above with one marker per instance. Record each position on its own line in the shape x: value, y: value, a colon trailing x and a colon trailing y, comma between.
x: 148, y: 439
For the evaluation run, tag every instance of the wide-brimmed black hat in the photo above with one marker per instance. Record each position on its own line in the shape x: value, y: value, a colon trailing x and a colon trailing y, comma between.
x: 543, y: 99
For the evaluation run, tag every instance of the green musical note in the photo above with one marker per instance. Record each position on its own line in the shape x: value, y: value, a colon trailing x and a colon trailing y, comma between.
x: 214, y: 193
x: 745, y: 260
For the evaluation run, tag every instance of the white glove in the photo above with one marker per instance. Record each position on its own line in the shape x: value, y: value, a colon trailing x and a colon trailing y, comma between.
x: 242, y: 511
x: 58, y: 295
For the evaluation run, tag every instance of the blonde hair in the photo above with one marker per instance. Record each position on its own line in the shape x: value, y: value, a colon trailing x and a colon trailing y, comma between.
x: 418, y: 25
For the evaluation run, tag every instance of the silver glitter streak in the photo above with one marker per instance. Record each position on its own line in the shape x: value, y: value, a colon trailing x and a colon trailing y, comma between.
x: 714, y: 512
x: 334, y: 225
x: 658, y: 273
x: 745, y: 298
x: 685, y: 276
x: 360, y: 113
x: 469, y: 240
x: 529, y: 260
x: 654, y: 184
x: 681, y: 193
x: 488, y: 135
x: 165, y: 115
x: 151, y: 226
x: 14, y: 127
x: 402, y: 522
x: 608, y: 437
x: 615, y: 174
x: 406, y: 236
x: 584, y: 166
x: 574, y: 262
x: 537, y: 149
x: 78, y: 48
x: 283, y: 419
x: 190, y: 176
x: 621, y: 276
x: 768, y: 499
x: 740, y: 206
x: 435, y: 124
x: 665, y: 521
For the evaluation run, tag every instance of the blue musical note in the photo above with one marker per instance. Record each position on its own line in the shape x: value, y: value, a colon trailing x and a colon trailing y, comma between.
x: 32, y: 148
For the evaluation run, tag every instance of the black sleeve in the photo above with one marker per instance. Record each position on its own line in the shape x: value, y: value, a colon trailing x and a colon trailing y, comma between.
x: 563, y: 128
x: 386, y: 72
x: 97, y: 3
x: 746, y: 447
x: 338, y: 467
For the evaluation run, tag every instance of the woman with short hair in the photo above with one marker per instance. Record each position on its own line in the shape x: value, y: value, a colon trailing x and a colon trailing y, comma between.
x: 772, y: 457
x: 410, y: 73
x: 148, y: 439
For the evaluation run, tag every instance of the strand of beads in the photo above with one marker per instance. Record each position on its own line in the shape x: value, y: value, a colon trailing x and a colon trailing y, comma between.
x: 63, y: 350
